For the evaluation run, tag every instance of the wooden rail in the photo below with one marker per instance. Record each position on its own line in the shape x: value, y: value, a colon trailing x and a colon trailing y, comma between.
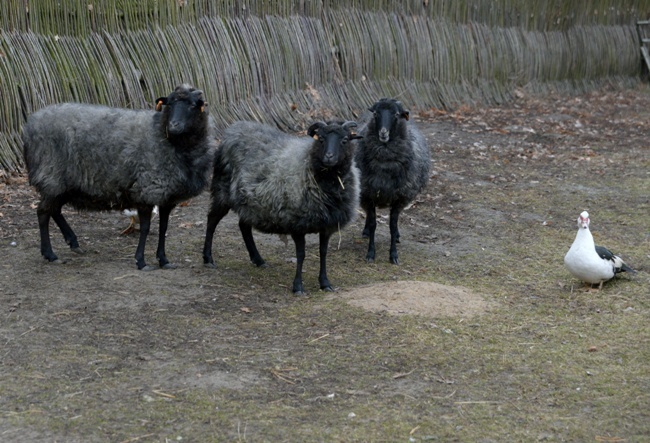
x: 643, y: 29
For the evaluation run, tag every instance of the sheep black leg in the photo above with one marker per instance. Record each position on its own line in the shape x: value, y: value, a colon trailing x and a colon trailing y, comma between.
x: 299, y: 240
x: 164, y: 212
x: 68, y: 234
x: 145, y: 224
x: 371, y: 226
x: 247, y: 234
x: 394, y: 234
x: 366, y: 227
x: 325, y: 284
x: 44, y: 228
x: 214, y: 217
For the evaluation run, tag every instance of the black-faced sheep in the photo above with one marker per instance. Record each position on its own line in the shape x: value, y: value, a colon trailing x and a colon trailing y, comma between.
x: 283, y: 184
x: 100, y: 158
x: 394, y: 161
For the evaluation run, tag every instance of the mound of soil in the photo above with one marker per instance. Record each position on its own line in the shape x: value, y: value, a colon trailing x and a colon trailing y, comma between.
x: 417, y: 298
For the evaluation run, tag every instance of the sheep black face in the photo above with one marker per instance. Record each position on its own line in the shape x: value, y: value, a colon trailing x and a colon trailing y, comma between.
x: 332, y: 140
x: 184, y: 111
x: 387, y: 113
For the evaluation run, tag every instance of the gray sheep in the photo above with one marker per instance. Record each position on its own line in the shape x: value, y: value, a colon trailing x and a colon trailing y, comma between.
x: 100, y: 158
x: 284, y: 184
x: 394, y: 161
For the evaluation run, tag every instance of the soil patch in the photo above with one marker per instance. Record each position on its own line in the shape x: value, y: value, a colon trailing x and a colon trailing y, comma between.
x: 418, y: 298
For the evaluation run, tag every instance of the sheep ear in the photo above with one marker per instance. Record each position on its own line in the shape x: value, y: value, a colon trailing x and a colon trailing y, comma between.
x: 349, y: 125
x: 402, y: 112
x: 313, y: 128
x: 160, y: 102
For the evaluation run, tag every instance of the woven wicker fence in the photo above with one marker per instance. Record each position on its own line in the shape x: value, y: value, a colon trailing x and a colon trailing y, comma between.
x: 81, y: 17
x: 286, y: 68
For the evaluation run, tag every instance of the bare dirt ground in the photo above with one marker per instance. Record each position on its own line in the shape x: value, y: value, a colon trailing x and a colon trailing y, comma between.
x: 479, y: 335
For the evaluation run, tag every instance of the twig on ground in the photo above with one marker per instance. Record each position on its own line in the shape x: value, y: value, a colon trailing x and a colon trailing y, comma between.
x: 140, y: 437
x: 163, y: 394
x: 277, y: 372
x: 317, y: 338
x: 477, y: 402
x: 402, y: 375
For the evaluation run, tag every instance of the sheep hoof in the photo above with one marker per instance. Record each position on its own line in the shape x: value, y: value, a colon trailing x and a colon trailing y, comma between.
x: 370, y: 259
x: 299, y: 293
x: 148, y: 268
x: 210, y: 265
x: 259, y: 262
x: 328, y: 289
x: 394, y: 260
x: 169, y: 266
x: 78, y: 250
x: 58, y: 261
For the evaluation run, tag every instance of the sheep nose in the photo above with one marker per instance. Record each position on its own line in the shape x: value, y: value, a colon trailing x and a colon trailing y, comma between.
x: 175, y: 127
x: 384, y: 135
x: 329, y: 159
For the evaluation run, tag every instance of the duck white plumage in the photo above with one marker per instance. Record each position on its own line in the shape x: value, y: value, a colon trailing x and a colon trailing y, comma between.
x: 133, y: 217
x: 590, y: 263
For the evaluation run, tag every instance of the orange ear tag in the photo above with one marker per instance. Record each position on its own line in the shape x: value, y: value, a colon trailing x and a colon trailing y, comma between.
x: 159, y: 106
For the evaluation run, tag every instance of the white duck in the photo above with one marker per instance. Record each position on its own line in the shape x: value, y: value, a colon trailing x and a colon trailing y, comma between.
x: 133, y: 217
x: 590, y: 263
